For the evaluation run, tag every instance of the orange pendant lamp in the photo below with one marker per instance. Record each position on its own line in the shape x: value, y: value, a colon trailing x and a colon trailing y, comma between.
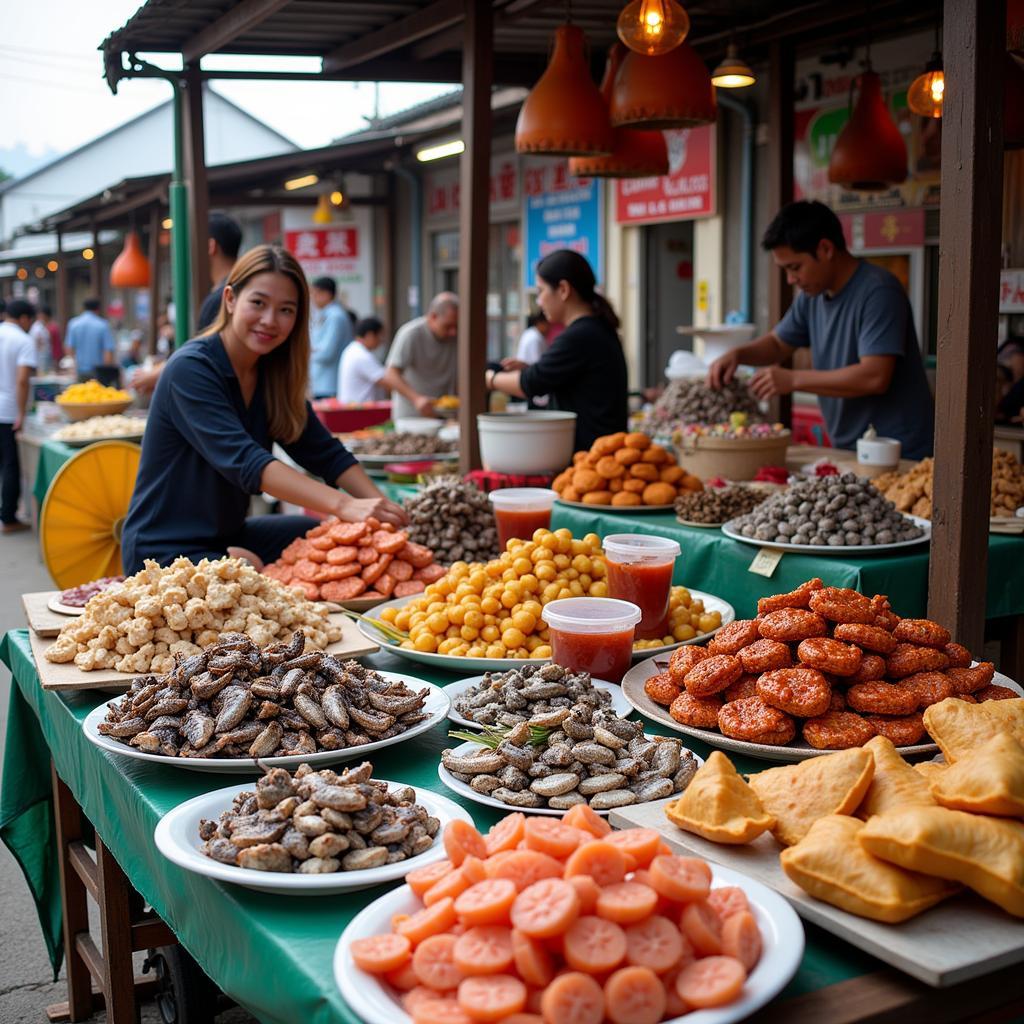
x: 635, y: 154
x: 672, y: 90
x: 131, y: 268
x: 565, y: 114
x: 870, y: 154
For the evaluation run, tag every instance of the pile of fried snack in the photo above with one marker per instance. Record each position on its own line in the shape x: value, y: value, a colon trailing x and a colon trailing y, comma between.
x: 827, y: 662
x: 864, y: 831
x: 141, y: 624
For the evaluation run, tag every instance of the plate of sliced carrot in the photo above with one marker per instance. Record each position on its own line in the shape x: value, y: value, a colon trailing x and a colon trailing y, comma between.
x: 567, y: 922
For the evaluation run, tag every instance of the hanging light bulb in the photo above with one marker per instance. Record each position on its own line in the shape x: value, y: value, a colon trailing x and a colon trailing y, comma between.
x: 131, y: 268
x: 670, y: 91
x: 653, y: 27
x: 870, y: 154
x: 926, y: 92
x: 635, y: 154
x: 322, y: 213
x: 734, y: 72
x: 564, y: 114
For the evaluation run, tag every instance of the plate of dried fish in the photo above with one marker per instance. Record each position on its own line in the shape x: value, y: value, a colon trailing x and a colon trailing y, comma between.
x: 311, y: 723
x: 262, y: 837
x: 539, y: 693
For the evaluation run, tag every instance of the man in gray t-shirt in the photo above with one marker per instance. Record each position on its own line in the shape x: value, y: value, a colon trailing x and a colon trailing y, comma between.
x: 857, y: 322
x: 423, y: 362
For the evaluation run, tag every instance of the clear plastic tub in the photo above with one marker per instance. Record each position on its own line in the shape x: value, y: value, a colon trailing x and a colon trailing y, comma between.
x: 592, y: 634
x: 640, y: 571
x: 520, y: 511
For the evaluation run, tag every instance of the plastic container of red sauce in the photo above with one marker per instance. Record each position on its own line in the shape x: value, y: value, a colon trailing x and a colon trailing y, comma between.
x: 640, y: 571
x: 592, y: 634
x: 521, y: 510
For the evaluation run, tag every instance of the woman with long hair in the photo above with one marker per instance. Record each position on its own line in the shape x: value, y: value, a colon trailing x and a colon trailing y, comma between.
x: 584, y: 370
x: 222, y: 402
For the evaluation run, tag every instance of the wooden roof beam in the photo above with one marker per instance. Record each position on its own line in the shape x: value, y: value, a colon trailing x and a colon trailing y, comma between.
x: 237, y: 20
x: 440, y: 15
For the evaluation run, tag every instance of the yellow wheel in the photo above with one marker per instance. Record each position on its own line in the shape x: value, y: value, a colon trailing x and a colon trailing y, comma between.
x: 83, y: 512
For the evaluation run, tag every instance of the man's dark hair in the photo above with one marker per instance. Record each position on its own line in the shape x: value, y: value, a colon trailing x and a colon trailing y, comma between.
x: 801, y: 226
x: 226, y: 232
x: 17, y: 308
x: 535, y: 318
x: 325, y: 284
x: 91, y: 304
x: 46, y: 311
x: 3, y: 306
x: 368, y: 325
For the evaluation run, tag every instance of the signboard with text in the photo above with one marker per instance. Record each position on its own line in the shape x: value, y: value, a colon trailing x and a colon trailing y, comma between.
x: 561, y: 212
x: 686, y: 192
x: 442, y: 190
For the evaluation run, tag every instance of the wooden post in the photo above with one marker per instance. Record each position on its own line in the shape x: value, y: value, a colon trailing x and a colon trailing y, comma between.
x: 63, y: 310
x: 474, y: 219
x: 969, y: 244
x: 781, y: 75
x: 154, y: 273
x: 96, y: 269
x: 198, y: 191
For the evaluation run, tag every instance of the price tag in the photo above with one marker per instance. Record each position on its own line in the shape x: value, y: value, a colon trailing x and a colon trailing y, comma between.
x: 766, y: 561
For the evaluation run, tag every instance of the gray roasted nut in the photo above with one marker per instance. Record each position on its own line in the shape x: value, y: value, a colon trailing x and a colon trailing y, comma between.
x: 613, y: 798
x: 265, y: 857
x: 311, y: 825
x: 550, y: 719
x: 483, y: 762
x: 319, y: 866
x: 566, y: 800
x: 653, y: 789
x: 485, y: 783
x: 607, y: 738
x: 513, y: 777
x: 520, y: 798
x: 557, y: 754
x: 555, y: 785
x: 328, y: 845
x: 602, y: 783
x: 594, y: 753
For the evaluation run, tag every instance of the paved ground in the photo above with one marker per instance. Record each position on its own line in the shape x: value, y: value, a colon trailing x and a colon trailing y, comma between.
x: 26, y: 980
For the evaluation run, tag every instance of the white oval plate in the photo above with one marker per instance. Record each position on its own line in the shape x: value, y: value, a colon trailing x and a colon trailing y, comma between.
x: 467, y: 791
x: 58, y: 607
x: 461, y: 665
x: 798, y: 750
x: 436, y: 708
x: 619, y: 704
x: 827, y: 549
x: 177, y: 838
x: 782, y: 935
x: 622, y: 510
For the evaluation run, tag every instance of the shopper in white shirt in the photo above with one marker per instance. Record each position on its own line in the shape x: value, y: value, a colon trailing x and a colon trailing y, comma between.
x: 533, y: 342
x: 17, y: 361
x: 360, y: 371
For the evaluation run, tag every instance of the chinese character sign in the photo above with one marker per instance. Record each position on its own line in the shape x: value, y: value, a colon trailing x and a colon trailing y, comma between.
x: 340, y: 243
x: 562, y: 212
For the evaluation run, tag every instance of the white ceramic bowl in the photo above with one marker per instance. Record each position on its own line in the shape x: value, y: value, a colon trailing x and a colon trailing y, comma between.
x: 419, y: 425
x: 538, y: 441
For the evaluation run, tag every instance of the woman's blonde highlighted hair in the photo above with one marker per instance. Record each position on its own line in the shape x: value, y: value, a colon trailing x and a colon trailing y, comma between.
x: 286, y: 369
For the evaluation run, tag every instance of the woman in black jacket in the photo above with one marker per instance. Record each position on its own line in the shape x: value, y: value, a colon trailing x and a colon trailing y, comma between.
x: 584, y: 370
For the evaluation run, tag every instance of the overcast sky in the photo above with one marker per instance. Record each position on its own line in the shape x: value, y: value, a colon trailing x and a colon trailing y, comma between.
x: 53, y: 95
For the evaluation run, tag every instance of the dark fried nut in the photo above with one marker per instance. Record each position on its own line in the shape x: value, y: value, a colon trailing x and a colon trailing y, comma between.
x: 840, y: 604
x: 794, y: 599
x: 922, y: 632
x: 700, y: 712
x: 837, y: 730
x: 930, y: 687
x: 885, y: 617
x: 764, y: 656
x: 902, y: 730
x: 803, y: 692
x: 882, y: 698
x: 752, y: 720
x: 970, y: 680
x: 734, y: 636
x: 871, y: 638
x: 713, y: 675
x: 995, y: 692
x: 745, y: 686
x: 683, y: 659
x: 872, y: 667
x: 827, y: 655
x: 791, y: 625
x: 837, y: 702
x: 967, y: 698
x: 907, y: 660
x: 661, y: 689
x: 959, y: 656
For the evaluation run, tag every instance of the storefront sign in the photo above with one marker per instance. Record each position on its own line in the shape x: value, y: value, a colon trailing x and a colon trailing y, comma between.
x: 562, y: 212
x: 442, y: 190
x: 686, y: 192
x: 895, y: 229
x: 323, y: 244
x: 1011, y: 291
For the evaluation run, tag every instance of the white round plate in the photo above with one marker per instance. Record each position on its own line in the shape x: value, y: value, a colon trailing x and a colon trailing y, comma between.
x: 453, y: 664
x: 177, y: 838
x: 84, y: 442
x: 59, y: 608
x: 380, y: 461
x: 436, y: 708
x: 615, y: 509
x: 619, y: 704
x: 699, y: 526
x: 827, y: 549
x: 374, y: 1001
x: 467, y: 791
x: 798, y: 750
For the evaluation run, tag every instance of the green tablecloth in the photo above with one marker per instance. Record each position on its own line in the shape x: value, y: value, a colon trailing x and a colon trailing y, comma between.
x: 52, y: 455
x: 272, y: 954
x: 712, y: 562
